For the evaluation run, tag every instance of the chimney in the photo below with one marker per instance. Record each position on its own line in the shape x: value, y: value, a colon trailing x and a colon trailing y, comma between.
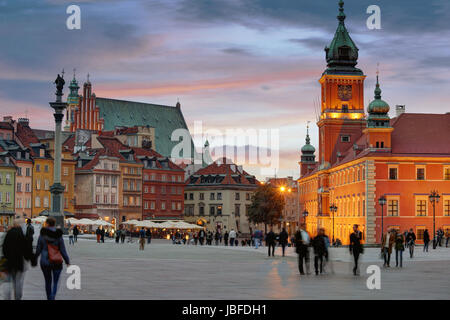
x: 7, y: 119
x: 399, y: 109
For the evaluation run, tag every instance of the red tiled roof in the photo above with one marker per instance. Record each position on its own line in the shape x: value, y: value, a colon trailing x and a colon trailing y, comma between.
x: 226, y: 168
x: 421, y: 134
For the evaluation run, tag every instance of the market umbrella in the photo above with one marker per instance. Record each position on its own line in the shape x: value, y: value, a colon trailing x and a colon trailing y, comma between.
x: 40, y: 219
x: 133, y: 221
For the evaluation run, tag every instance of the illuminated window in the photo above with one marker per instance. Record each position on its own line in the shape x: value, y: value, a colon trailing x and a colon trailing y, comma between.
x: 447, y: 173
x: 392, y: 208
x: 421, y: 207
x: 447, y: 207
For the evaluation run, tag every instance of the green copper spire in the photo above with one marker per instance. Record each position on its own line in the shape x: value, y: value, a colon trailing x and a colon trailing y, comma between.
x: 308, y: 148
x: 72, y: 98
x: 378, y: 109
x: 342, y: 53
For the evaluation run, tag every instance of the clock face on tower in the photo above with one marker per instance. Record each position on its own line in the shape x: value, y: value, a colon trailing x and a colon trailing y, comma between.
x: 345, y: 92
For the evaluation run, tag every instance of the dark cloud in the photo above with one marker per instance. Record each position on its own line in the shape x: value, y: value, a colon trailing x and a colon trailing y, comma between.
x: 238, y: 51
x: 316, y: 44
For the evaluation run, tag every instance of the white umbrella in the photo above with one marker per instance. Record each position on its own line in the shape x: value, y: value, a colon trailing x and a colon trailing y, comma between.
x: 84, y: 222
x: 72, y: 220
x: 133, y: 221
x: 100, y: 222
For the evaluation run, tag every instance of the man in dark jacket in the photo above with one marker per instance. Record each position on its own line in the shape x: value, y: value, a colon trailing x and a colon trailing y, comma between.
x: 50, y: 236
x: 16, y: 249
x: 76, y: 232
x: 102, y: 234
x: 148, y: 233
x: 318, y: 244
x: 225, y: 238
x: 411, y: 241
x: 270, y: 242
x: 283, y: 240
x: 426, y: 240
x: 302, y: 248
x: 29, y: 234
x: 356, y: 247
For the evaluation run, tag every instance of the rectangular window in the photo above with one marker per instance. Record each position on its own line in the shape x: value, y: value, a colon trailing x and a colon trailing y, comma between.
x: 421, y: 208
x: 19, y: 187
x: 163, y: 205
x: 219, y: 196
x: 46, y: 168
x: 19, y: 171
x: 66, y: 171
x: 447, y: 173
x: 392, y: 208
x: 420, y: 175
x: 98, y: 180
x: 237, y: 210
x: 97, y: 198
x: 211, y: 196
x: 38, y: 168
x: 28, y: 203
x: 37, y: 201
x: 152, y: 205
x: 114, y: 181
x: 173, y: 206
x: 419, y: 233
x: 105, y: 198
x: 212, y: 210
x: 392, y: 173
x: 237, y: 196
x: 201, y: 211
x: 8, y: 178
x: 345, y: 138
x: 38, y: 184
x: 28, y: 172
x: 27, y: 187
x: 202, y: 196
x: 113, y: 199
x: 447, y: 207
x: 106, y: 180
x: 45, y: 202
x: 46, y: 184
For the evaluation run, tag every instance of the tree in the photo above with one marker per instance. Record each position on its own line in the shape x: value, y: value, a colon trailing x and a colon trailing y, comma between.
x: 267, y: 206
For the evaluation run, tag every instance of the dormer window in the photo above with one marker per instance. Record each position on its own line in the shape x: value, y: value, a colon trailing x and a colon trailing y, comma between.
x: 130, y: 157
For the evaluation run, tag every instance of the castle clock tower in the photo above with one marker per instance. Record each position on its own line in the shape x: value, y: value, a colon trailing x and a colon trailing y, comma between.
x: 342, y: 108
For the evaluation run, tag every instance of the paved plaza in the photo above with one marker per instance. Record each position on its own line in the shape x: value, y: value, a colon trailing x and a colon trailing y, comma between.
x: 167, y: 271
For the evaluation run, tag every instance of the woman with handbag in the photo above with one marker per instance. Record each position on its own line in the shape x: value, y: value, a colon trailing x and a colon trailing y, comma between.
x: 52, y: 250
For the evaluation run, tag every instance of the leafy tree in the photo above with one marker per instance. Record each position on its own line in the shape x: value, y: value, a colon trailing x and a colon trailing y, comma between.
x: 267, y: 206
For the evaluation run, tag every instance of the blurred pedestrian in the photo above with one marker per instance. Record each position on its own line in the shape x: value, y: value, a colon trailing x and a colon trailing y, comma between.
x: 118, y: 232
x: 302, y: 241
x: 387, y: 244
x: 283, y: 240
x: 102, y: 234
x: 76, y: 232
x: 123, y: 234
x: 141, y: 238
x: 270, y: 242
x: 225, y: 238
x: 356, y: 247
x: 29, y: 232
x: 411, y: 241
x: 399, y: 248
x: 71, y: 242
x: 148, y: 234
x: 319, y: 246
x: 426, y: 240
x: 16, y: 250
x: 217, y: 237
x: 201, y: 236
x: 447, y: 237
x: 98, y: 233
x: 232, y: 237
x: 52, y: 250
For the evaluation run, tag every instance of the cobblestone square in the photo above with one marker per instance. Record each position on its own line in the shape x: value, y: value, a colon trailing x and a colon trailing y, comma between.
x: 167, y: 271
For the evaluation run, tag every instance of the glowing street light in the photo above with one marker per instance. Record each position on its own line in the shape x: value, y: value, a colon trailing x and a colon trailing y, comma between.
x: 434, y: 198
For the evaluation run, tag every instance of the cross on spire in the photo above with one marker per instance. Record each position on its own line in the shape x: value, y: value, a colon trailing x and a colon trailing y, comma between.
x: 62, y: 72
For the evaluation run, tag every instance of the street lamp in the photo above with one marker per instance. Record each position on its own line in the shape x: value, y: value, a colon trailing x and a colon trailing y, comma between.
x: 382, y: 202
x: 305, y: 214
x: 434, y: 198
x: 333, y: 208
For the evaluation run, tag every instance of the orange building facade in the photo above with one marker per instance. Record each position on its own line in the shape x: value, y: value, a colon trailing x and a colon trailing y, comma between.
x: 363, y: 157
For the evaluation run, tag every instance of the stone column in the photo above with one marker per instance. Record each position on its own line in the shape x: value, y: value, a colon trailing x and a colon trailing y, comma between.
x: 57, y: 189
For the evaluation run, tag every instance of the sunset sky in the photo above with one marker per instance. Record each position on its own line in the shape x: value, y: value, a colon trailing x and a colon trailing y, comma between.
x: 231, y: 63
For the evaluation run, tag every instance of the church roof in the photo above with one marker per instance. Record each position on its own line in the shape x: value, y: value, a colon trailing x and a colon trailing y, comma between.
x: 165, y: 120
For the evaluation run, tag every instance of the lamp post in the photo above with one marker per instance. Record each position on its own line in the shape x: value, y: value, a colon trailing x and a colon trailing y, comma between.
x: 57, y: 189
x: 382, y: 202
x: 333, y: 209
x: 305, y: 214
x: 434, y: 198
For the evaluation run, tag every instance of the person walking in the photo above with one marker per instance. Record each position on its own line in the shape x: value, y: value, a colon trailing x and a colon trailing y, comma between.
x: 318, y: 244
x: 386, y: 247
x: 148, y: 234
x: 16, y: 249
x: 225, y: 238
x: 102, y: 234
x: 71, y: 242
x: 302, y: 241
x: 283, y: 240
x: 447, y: 237
x: 52, y: 250
x: 232, y: 237
x: 356, y: 248
x: 270, y: 242
x: 98, y: 233
x: 399, y: 248
x: 411, y: 241
x: 123, y: 235
x: 29, y: 232
x: 217, y: 237
x: 256, y: 235
x: 118, y: 232
x: 141, y: 238
x: 76, y: 232
x: 426, y: 240
x: 201, y: 236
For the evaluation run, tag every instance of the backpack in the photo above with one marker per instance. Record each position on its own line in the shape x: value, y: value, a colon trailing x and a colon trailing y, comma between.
x: 54, y: 255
